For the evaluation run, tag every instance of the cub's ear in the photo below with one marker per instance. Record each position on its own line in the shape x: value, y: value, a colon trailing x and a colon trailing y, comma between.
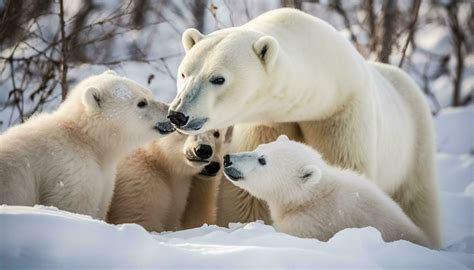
x: 228, y: 134
x: 93, y: 99
x: 190, y: 37
x: 266, y: 49
x: 282, y: 138
x: 110, y: 72
x: 310, y: 174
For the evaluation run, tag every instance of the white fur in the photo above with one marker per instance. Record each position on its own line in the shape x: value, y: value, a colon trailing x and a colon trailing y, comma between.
x: 286, y: 70
x: 309, y: 198
x: 68, y: 158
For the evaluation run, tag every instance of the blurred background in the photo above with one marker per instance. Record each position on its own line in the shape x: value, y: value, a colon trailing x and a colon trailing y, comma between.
x: 46, y: 46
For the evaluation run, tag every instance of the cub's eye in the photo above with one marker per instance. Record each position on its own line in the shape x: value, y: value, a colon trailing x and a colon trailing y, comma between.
x: 182, y: 75
x: 142, y: 103
x: 217, y: 134
x: 218, y: 81
x: 262, y: 161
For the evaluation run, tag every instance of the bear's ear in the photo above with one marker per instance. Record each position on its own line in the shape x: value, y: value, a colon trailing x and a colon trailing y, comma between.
x: 266, y: 49
x: 93, y: 99
x: 190, y: 37
x: 310, y: 174
x: 283, y: 138
x: 110, y: 72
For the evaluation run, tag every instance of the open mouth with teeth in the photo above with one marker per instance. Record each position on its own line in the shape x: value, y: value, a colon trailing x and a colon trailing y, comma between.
x: 164, y: 127
x: 233, y: 174
x: 194, y: 160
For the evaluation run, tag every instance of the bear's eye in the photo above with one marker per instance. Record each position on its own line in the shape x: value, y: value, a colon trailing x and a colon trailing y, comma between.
x: 218, y: 81
x: 182, y: 75
x: 262, y: 161
x: 217, y: 134
x: 142, y: 103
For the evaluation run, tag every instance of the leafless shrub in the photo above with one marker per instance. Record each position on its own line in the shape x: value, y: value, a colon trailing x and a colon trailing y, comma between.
x: 40, y: 43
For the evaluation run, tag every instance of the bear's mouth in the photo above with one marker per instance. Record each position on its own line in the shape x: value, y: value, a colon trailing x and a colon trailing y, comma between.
x: 198, y: 162
x: 194, y: 160
x: 211, y: 169
x: 233, y: 174
x: 195, y: 124
x: 164, y: 127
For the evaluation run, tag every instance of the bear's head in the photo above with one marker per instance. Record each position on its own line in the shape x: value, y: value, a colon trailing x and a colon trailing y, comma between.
x: 116, y: 110
x: 282, y: 171
x: 220, y: 78
x: 201, y: 152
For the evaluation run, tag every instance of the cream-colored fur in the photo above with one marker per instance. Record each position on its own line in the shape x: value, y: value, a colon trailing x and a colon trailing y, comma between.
x: 68, y: 158
x: 309, y: 198
x: 201, y: 207
x: 154, y: 184
x: 288, y: 67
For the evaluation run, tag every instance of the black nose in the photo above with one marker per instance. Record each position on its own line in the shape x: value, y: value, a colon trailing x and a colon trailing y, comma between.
x: 177, y: 118
x: 203, y: 151
x: 227, y: 162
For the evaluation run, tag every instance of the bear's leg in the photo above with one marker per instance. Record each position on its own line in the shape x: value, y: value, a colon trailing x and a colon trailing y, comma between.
x: 201, y: 206
x: 106, y: 198
x: 419, y: 198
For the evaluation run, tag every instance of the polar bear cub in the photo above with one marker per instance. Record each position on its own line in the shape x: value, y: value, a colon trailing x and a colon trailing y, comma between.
x: 309, y: 198
x: 68, y: 158
x: 170, y: 183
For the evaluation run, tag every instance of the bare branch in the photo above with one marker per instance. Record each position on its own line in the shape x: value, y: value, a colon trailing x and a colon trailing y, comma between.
x: 64, y: 42
x: 412, y: 30
x: 336, y: 5
x: 458, y: 41
x: 389, y: 17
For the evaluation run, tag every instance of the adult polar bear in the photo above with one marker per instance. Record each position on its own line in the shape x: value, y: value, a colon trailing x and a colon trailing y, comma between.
x: 288, y: 72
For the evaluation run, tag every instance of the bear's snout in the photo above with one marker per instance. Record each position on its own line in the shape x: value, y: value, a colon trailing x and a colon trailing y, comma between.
x: 178, y: 118
x: 203, y: 151
x: 164, y: 127
x: 227, y: 161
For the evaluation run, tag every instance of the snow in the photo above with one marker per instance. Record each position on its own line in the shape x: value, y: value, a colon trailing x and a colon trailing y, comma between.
x: 45, y: 237
x: 455, y: 130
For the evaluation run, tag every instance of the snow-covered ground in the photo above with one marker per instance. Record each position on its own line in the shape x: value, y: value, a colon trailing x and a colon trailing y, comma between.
x: 42, y: 237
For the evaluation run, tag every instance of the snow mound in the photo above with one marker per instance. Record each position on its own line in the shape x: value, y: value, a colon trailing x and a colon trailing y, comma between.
x: 44, y: 237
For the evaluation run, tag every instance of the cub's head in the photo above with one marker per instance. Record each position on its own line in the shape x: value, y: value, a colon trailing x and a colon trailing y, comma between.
x: 202, y: 152
x: 220, y: 77
x: 118, y: 109
x: 282, y: 171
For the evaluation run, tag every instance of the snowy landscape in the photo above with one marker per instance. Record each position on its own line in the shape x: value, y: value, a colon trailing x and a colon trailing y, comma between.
x: 44, y: 237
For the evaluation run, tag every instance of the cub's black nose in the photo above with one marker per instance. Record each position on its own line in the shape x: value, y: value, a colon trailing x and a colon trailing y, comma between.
x: 227, y: 162
x: 178, y: 118
x: 203, y: 151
